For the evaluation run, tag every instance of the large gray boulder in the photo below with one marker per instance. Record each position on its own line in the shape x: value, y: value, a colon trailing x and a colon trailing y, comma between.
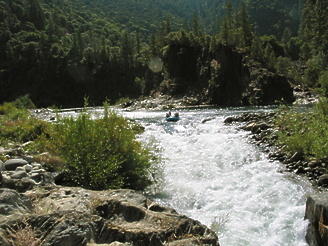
x: 75, y: 216
x: 12, y: 164
x: 317, y: 214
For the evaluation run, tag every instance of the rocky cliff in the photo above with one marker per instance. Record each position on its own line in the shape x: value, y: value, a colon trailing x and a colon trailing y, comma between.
x: 241, y: 84
x: 220, y: 75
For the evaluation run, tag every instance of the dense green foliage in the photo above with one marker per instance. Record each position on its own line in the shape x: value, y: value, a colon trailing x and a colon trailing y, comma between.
x: 100, y: 153
x: 314, y: 36
x: 60, y: 51
x: 16, y: 124
x: 307, y: 132
x: 94, y: 152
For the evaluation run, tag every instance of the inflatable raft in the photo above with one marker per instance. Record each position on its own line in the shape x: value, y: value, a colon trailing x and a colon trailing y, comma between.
x: 173, y: 119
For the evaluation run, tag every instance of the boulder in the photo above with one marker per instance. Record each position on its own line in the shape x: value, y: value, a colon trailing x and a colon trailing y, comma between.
x: 258, y: 127
x: 75, y: 216
x: 19, y: 175
x: 323, y: 180
x: 20, y: 185
x: 45, y: 178
x: 12, y: 164
x: 274, y: 88
x: 317, y: 214
x: 12, y: 202
x: 297, y: 156
x: 4, y: 151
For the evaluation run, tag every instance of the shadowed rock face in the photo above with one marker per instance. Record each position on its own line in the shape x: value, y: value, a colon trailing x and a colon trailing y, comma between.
x: 317, y: 214
x: 226, y: 77
x: 241, y: 85
x: 75, y: 216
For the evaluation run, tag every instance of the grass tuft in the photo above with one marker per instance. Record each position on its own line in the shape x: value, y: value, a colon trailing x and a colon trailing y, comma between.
x: 24, y: 234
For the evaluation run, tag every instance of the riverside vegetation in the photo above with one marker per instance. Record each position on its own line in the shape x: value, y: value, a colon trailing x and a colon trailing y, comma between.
x: 103, y: 153
x: 97, y: 154
x: 305, y: 132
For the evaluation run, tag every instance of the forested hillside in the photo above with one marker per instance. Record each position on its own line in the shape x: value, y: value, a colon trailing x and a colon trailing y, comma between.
x: 60, y: 51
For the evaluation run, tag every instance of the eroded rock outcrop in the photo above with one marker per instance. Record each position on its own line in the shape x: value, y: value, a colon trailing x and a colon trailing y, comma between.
x: 266, y: 88
x: 240, y: 84
x: 317, y: 214
x: 76, y: 216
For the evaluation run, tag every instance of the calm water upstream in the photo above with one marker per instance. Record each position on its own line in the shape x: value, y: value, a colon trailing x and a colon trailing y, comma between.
x: 211, y: 173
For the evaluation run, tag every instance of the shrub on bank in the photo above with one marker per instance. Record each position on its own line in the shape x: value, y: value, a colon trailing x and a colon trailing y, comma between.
x: 95, y: 153
x: 100, y: 153
x: 305, y: 132
x: 16, y: 123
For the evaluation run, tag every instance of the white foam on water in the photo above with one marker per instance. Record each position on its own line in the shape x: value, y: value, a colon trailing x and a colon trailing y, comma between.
x: 212, y: 174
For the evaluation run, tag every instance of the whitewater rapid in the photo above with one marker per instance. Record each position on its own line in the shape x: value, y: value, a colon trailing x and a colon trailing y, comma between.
x: 212, y: 173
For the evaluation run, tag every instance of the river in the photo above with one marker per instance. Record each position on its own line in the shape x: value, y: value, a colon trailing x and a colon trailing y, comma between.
x: 212, y: 173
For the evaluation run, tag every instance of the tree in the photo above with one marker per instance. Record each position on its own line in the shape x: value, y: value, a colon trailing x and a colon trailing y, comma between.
x: 196, y: 26
x: 227, y: 28
x: 245, y: 26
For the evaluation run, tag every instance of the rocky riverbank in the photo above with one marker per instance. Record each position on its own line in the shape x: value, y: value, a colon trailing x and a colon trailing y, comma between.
x: 35, y: 209
x: 38, y: 209
x: 264, y: 134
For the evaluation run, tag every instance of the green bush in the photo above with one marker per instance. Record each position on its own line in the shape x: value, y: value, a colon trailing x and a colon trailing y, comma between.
x: 17, y: 125
x: 101, y: 153
x: 314, y: 66
x: 24, y: 102
x: 283, y: 65
x: 305, y: 132
x: 323, y: 83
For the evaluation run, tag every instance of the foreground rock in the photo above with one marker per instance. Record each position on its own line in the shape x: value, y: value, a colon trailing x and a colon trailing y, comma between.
x: 75, y: 216
x: 32, y: 203
x: 317, y: 214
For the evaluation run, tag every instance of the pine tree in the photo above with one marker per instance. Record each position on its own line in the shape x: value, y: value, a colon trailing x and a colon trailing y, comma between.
x: 224, y: 31
x: 314, y: 27
x: 196, y: 26
x: 247, y: 34
x: 227, y: 27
